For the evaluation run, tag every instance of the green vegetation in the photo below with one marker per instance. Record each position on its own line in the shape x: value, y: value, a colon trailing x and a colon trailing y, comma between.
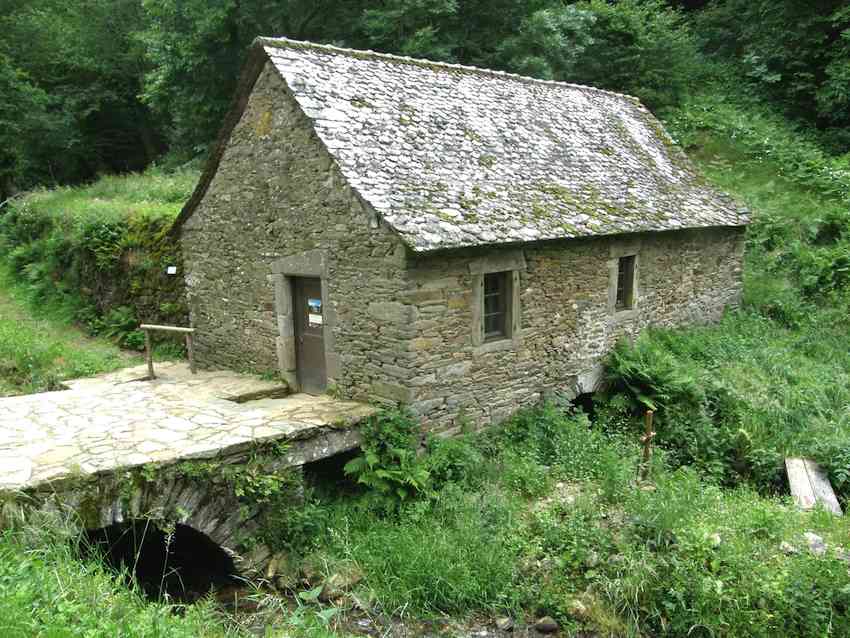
x: 102, y: 249
x: 542, y: 516
x: 38, y: 354
x: 45, y: 590
x: 539, y: 516
x: 114, y: 85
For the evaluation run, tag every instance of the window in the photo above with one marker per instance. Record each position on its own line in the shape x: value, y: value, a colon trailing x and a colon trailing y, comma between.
x: 626, y: 283
x: 496, y: 305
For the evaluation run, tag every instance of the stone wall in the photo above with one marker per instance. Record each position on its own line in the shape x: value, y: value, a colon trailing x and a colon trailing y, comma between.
x: 401, y: 327
x: 278, y: 198
x: 567, y: 318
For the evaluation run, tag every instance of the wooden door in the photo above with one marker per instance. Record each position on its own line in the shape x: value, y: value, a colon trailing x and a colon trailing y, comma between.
x: 309, y: 335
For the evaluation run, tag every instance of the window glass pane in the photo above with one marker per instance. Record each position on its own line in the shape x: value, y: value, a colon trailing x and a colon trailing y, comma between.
x: 493, y: 324
x: 625, y: 282
x: 496, y: 306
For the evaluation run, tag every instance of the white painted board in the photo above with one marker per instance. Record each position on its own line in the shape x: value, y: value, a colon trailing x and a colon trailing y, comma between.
x: 809, y: 485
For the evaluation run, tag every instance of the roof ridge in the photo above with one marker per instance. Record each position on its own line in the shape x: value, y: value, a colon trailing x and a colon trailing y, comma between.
x: 369, y: 54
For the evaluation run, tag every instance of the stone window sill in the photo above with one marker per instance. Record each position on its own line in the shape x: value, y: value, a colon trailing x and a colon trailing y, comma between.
x: 621, y: 316
x: 497, y: 345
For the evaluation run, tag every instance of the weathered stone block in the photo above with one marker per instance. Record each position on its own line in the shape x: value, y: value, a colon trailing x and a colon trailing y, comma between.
x: 423, y: 343
x: 455, y: 370
x: 392, y: 391
x: 392, y: 312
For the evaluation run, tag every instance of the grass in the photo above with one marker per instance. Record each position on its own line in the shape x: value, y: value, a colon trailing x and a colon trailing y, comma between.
x: 45, y: 590
x: 37, y: 354
x: 115, y: 197
x: 588, y: 547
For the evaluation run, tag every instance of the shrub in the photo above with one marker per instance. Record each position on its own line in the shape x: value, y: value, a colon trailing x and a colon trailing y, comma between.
x: 454, y: 460
x: 389, y: 465
x: 297, y: 526
x: 649, y: 377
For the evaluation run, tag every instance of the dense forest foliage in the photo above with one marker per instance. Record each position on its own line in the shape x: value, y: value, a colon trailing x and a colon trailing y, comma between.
x: 98, y: 86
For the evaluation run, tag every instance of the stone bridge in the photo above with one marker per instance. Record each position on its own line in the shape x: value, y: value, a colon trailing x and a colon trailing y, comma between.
x: 181, y: 448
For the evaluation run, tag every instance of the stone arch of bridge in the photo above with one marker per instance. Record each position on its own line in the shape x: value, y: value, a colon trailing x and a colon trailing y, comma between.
x: 177, y: 561
x: 207, y: 507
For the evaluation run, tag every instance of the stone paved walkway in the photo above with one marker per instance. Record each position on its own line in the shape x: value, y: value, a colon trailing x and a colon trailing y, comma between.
x: 118, y: 421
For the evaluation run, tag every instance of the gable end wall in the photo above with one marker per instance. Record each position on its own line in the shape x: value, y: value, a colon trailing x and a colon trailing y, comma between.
x: 278, y: 201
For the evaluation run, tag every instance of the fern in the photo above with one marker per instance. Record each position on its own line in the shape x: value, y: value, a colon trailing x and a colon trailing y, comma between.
x: 389, y: 465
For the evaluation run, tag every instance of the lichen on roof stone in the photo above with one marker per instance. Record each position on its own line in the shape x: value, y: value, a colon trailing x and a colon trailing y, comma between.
x: 454, y: 156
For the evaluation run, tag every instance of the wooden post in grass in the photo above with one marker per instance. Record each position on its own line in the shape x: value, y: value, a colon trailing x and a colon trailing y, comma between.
x: 646, y: 439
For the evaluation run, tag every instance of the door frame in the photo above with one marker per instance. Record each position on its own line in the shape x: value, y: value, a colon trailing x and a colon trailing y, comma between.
x: 311, y: 263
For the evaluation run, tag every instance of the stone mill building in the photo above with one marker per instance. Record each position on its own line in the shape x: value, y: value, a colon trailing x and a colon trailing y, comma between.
x: 460, y: 240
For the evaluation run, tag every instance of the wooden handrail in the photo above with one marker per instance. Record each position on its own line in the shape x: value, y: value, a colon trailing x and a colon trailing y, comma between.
x: 153, y: 326
x: 190, y: 349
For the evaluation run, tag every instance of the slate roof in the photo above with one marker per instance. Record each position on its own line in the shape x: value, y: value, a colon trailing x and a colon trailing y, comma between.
x: 452, y: 156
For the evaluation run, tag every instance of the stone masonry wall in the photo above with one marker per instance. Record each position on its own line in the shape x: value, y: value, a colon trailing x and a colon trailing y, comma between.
x: 400, y: 327
x: 278, y: 194
x: 567, y: 318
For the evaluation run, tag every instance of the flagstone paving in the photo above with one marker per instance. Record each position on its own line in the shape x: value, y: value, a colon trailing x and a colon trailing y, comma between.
x: 122, y: 420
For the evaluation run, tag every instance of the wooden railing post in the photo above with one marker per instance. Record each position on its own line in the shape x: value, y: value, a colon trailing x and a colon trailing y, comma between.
x: 149, y: 354
x: 646, y: 439
x: 190, y: 352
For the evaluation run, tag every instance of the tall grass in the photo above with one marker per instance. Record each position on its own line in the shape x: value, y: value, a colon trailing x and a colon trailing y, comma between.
x: 37, y: 354
x: 589, y: 547
x: 46, y: 590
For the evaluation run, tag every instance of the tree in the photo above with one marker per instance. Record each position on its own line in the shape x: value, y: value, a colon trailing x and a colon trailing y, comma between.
x: 796, y: 54
x: 549, y: 42
x: 640, y: 47
x: 195, y: 49
x: 31, y: 133
x: 82, y: 70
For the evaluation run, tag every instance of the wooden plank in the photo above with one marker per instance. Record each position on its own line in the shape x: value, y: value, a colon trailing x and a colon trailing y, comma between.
x: 150, y: 326
x: 810, y: 485
x: 822, y: 487
x: 798, y: 481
